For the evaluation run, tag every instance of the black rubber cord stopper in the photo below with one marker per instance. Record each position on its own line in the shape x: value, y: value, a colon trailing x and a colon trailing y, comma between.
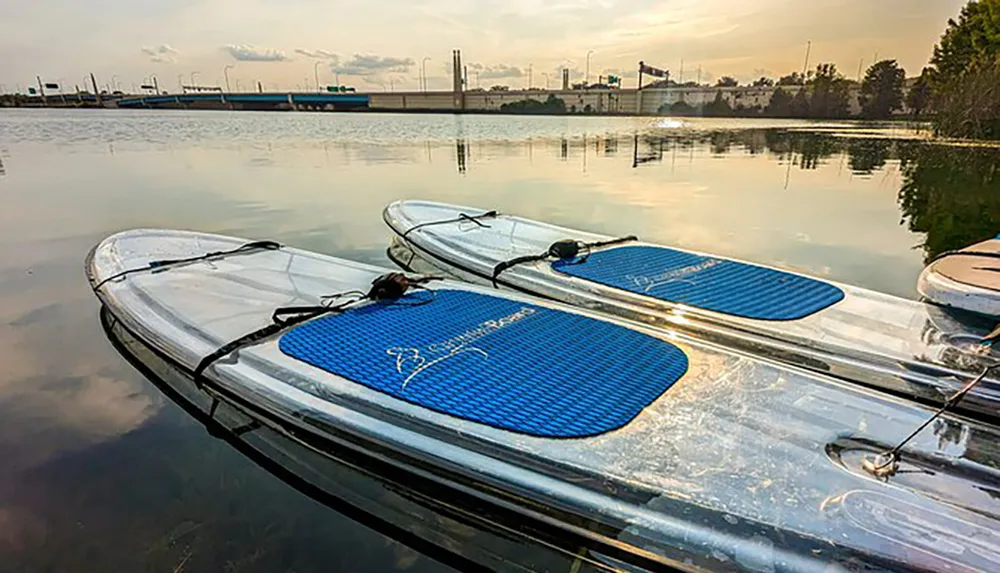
x: 565, y: 249
x: 389, y: 286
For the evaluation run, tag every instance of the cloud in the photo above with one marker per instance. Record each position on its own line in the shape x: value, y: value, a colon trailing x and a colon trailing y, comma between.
x: 318, y: 54
x: 248, y: 53
x: 162, y: 54
x: 500, y: 71
x: 159, y: 50
x: 368, y: 65
x: 631, y: 73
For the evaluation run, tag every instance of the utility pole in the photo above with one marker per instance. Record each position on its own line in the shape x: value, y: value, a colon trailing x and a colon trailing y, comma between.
x: 805, y: 66
x: 316, y: 73
x: 681, y: 81
x: 97, y: 92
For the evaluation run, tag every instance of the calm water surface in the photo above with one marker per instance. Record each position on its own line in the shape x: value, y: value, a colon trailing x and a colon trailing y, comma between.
x: 101, y: 472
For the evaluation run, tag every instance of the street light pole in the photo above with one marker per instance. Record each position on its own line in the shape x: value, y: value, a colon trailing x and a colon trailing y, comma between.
x: 237, y: 85
x: 423, y: 71
x: 193, y: 74
x: 316, y: 73
x: 530, y: 65
x: 587, y: 78
x: 225, y: 72
x: 546, y: 79
x: 180, y: 82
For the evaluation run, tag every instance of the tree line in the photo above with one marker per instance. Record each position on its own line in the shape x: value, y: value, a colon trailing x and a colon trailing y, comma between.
x: 959, y: 89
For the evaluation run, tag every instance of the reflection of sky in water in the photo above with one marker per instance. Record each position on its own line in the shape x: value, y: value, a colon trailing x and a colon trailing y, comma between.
x: 320, y: 181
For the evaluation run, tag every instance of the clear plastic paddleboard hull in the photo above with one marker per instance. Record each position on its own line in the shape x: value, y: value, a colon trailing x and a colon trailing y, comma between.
x: 742, y: 464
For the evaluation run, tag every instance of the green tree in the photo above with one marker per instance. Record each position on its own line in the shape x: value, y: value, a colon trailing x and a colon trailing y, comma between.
x: 762, y: 82
x: 552, y: 105
x: 792, y: 79
x: 679, y: 108
x: 920, y: 93
x: 800, y: 104
x: 829, y: 96
x: 719, y: 107
x: 780, y: 104
x: 882, y: 89
x: 966, y: 73
x: 973, y: 40
x: 727, y: 82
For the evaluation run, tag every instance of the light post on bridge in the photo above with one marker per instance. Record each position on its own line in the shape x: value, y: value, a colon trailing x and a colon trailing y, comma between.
x: 225, y: 73
x: 423, y: 72
x: 316, y: 73
x: 546, y: 79
x: 237, y: 85
x: 193, y: 74
x: 586, y: 80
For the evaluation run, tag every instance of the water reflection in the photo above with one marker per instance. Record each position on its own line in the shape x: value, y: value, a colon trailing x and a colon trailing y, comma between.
x: 952, y: 195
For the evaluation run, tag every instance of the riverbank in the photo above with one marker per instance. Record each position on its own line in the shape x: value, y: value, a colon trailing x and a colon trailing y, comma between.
x: 743, y: 101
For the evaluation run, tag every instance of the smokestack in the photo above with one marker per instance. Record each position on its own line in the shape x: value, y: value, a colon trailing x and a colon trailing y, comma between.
x: 456, y: 62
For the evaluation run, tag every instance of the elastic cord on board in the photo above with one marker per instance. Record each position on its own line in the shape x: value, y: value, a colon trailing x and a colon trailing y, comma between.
x: 886, y: 464
x: 461, y: 217
x: 388, y: 287
x: 560, y: 250
x: 154, y: 266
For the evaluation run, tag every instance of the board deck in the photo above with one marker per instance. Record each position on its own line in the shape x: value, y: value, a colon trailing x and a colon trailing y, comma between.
x: 709, y: 283
x: 503, y: 363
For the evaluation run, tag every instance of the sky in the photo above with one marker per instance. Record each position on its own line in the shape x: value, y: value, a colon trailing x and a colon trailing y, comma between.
x: 382, y: 44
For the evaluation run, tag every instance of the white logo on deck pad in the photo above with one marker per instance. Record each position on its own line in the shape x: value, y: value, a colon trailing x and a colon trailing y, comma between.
x: 412, y: 361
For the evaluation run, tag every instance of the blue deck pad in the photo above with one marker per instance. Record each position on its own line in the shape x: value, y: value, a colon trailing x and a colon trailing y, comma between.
x: 719, y: 285
x: 504, y: 363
